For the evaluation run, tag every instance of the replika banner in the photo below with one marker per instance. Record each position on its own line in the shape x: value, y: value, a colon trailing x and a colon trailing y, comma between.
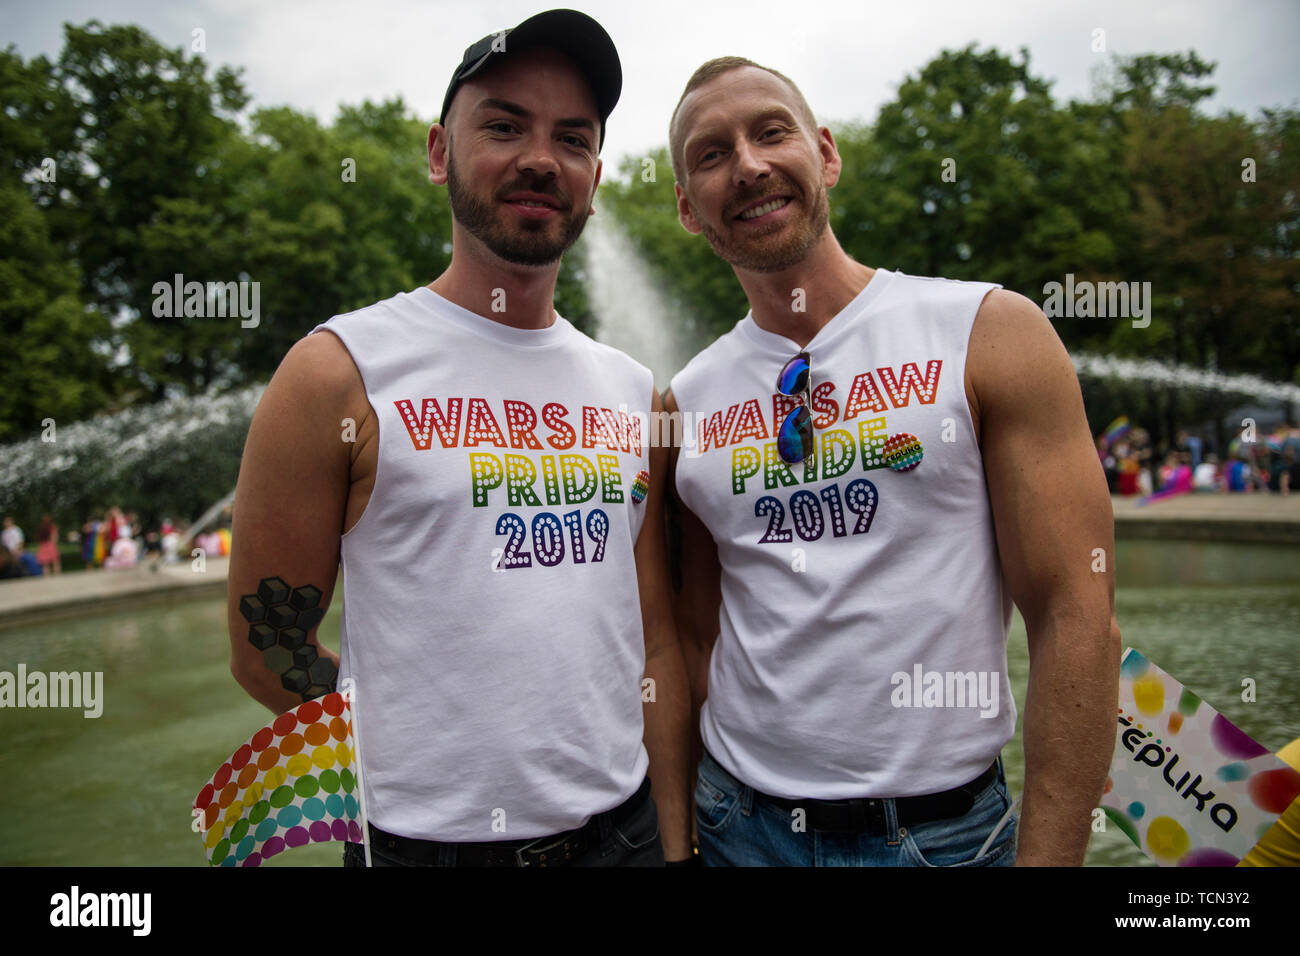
x: 1185, y: 784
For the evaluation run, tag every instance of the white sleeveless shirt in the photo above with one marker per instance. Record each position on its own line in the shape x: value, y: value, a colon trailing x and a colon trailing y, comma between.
x: 861, y: 646
x: 491, y: 615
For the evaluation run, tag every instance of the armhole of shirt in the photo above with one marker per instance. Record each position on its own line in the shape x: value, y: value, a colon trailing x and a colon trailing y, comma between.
x: 365, y: 394
x: 965, y: 362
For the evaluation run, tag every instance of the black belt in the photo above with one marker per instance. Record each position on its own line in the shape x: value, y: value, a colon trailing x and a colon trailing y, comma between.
x: 868, y: 815
x: 555, y: 850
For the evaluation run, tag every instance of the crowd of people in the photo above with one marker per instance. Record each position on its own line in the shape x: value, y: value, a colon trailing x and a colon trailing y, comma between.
x: 114, y: 540
x: 1269, y: 464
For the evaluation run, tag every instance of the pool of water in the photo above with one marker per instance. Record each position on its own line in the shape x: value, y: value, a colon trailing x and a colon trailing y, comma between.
x: 116, y: 790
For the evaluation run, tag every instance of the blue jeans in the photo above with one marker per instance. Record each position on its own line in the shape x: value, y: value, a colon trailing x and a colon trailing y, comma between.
x: 738, y: 827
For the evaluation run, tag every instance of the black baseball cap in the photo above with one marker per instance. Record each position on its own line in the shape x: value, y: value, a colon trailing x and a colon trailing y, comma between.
x: 572, y: 33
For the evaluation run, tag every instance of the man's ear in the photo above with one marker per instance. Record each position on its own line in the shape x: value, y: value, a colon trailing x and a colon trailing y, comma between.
x: 685, y: 214
x: 438, y: 145
x: 831, y: 163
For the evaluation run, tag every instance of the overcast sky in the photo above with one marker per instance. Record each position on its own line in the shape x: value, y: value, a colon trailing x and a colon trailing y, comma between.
x: 848, y: 57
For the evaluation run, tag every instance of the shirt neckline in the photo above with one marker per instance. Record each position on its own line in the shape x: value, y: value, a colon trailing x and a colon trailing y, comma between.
x: 445, y: 310
x: 861, y: 304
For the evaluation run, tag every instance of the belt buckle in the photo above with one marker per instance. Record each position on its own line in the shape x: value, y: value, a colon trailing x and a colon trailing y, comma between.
x: 532, y: 847
x: 850, y: 816
x: 867, y: 815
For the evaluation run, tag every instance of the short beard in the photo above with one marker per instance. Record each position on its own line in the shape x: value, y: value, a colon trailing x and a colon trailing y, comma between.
x: 530, y: 245
x: 779, y: 258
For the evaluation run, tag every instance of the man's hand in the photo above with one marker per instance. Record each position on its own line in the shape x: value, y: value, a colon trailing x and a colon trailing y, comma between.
x: 1055, y: 532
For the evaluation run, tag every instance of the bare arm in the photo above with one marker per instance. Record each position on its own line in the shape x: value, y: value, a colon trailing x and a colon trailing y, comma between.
x: 289, y: 512
x: 1055, y: 534
x: 666, y: 733
x: 698, y: 602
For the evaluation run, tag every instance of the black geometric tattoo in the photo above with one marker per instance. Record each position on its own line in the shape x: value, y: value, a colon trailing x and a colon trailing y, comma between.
x: 280, y: 621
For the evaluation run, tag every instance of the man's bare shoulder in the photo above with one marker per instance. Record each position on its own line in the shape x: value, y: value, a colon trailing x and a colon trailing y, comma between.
x: 319, y: 368
x: 1014, y: 350
x: 1008, y: 322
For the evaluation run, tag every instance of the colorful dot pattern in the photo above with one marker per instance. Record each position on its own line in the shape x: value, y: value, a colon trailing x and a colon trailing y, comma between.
x: 640, y: 486
x: 292, y: 783
x: 1150, y: 800
x: 903, y: 452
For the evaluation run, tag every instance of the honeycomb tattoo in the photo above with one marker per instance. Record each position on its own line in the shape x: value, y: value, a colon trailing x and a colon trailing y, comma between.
x: 280, y: 620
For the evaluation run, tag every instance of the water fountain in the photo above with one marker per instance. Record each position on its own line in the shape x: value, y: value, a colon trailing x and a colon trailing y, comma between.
x: 175, y: 457
x: 632, y: 311
x: 1152, y: 372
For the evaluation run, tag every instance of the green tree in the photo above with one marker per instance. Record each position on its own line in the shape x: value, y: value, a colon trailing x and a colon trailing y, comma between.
x: 50, y: 365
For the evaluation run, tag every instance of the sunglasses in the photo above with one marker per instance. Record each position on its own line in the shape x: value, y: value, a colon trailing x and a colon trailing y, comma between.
x: 794, y: 439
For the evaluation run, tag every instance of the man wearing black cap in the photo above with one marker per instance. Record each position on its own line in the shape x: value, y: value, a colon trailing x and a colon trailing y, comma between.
x: 496, y: 507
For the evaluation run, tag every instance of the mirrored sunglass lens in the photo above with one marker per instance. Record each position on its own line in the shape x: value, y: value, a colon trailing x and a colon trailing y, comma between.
x: 794, y: 377
x: 795, y: 438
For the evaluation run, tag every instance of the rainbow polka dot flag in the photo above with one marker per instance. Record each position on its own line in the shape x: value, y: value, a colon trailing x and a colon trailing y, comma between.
x: 292, y: 783
x: 1186, y: 785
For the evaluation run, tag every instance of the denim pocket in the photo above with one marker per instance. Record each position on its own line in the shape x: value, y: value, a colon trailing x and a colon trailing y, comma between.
x: 954, y: 842
x: 714, y: 806
x: 641, y: 828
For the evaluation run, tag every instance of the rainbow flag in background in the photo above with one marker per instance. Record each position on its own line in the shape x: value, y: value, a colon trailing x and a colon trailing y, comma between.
x: 1115, y: 430
x: 292, y: 783
x: 1186, y: 785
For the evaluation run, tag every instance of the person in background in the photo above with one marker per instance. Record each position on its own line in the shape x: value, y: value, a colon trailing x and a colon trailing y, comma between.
x: 89, y: 528
x: 1192, y: 445
x: 1205, y: 477
x: 31, y: 568
x: 47, y: 550
x: 1165, y: 475
x: 1235, y: 474
x: 1127, y: 467
x: 9, y: 565
x: 1242, y: 475
x: 12, y: 535
x: 124, y: 553
x: 1175, y: 477
x: 108, y: 531
x: 1279, y: 472
x: 171, y: 542
x: 1291, y: 453
x: 1142, y: 453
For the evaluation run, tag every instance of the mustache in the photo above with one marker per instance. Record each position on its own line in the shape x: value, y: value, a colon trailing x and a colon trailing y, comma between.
x: 543, y: 185
x: 749, y: 196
